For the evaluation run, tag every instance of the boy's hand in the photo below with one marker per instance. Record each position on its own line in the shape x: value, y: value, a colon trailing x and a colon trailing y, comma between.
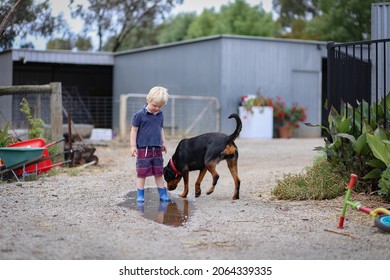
x: 133, y: 151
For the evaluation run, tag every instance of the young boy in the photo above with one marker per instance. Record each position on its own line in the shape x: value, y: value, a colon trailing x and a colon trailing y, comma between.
x: 147, y: 142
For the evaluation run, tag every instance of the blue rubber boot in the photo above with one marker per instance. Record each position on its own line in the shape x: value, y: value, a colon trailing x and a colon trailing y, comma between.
x: 140, y: 195
x: 140, y: 206
x: 163, y: 206
x: 163, y: 194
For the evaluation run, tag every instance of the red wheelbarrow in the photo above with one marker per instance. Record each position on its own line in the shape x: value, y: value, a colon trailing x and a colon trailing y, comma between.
x: 28, y: 157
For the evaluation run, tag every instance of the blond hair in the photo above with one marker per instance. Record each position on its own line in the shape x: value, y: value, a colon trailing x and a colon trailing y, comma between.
x: 158, y: 94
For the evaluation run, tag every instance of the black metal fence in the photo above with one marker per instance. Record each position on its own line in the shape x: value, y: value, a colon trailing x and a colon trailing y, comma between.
x: 358, y: 72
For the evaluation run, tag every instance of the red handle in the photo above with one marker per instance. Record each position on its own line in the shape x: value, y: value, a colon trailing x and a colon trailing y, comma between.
x: 352, y: 181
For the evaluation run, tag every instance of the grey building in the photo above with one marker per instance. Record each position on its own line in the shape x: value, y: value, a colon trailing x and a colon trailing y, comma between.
x: 83, y: 75
x: 223, y: 66
x: 228, y: 67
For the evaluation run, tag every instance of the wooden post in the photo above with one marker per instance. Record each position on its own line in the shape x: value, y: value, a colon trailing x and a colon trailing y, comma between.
x: 122, y: 117
x: 56, y: 113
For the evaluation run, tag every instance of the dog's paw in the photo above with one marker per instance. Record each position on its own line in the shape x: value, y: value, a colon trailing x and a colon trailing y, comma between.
x: 210, y: 191
x: 198, y: 192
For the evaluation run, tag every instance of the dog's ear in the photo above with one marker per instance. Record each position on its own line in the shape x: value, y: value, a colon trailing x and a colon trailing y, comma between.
x: 168, y: 174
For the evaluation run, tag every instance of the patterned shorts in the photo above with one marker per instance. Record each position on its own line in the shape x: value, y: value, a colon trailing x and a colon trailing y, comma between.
x: 149, y: 162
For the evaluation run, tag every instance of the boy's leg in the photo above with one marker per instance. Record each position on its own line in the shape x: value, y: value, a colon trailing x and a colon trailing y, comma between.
x: 162, y: 191
x: 140, y: 189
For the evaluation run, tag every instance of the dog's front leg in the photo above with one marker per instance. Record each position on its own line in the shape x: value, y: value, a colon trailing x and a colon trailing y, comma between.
x: 185, y: 191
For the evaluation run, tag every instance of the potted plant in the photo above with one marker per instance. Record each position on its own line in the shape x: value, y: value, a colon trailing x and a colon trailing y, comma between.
x: 256, y: 112
x: 287, y: 119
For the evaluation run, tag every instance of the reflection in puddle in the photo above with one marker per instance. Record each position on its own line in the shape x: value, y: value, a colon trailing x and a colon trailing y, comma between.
x: 174, y: 213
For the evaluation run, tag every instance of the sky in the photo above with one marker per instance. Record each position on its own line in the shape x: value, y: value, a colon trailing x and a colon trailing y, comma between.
x: 199, y: 5
x: 61, y: 6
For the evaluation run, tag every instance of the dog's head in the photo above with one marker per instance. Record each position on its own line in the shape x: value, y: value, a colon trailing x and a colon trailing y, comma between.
x: 171, y: 177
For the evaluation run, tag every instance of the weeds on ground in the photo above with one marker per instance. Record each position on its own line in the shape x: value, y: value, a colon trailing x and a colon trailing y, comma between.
x: 320, y: 181
x: 74, y: 171
x: 54, y: 171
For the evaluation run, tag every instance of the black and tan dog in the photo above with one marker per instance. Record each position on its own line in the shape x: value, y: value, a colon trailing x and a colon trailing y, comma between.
x: 203, y: 153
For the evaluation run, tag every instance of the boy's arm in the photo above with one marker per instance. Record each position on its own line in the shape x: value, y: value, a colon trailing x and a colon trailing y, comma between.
x: 164, y: 146
x: 133, y: 141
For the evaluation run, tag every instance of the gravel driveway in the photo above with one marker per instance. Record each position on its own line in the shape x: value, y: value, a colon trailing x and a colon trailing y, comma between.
x: 64, y: 217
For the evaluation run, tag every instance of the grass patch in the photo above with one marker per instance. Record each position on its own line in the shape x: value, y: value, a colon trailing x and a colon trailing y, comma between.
x: 319, y: 182
x: 73, y: 171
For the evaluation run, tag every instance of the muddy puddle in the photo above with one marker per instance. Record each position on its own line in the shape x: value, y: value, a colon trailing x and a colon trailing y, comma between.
x: 174, y: 213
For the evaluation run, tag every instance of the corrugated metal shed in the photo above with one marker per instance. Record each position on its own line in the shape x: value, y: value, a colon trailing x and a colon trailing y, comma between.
x: 62, y: 56
x: 86, y: 75
x: 380, y: 20
x: 228, y: 67
x: 380, y: 29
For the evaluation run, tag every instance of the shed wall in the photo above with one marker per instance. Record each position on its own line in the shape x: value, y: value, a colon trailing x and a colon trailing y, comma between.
x: 228, y: 67
x: 5, y: 80
x: 6, y: 69
x: 287, y: 69
x: 188, y: 69
x: 380, y: 21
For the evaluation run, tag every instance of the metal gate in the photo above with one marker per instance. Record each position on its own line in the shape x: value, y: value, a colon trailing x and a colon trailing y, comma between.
x: 183, y: 115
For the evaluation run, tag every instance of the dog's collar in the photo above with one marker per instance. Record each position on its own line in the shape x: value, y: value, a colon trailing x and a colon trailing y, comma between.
x: 174, y: 167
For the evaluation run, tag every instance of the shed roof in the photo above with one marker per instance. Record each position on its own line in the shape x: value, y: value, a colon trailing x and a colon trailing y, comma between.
x: 220, y: 36
x: 62, y: 56
x: 107, y: 58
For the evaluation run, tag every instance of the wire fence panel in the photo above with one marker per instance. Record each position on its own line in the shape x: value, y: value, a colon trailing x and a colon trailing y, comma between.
x: 93, y: 110
x: 44, y: 101
x: 183, y: 115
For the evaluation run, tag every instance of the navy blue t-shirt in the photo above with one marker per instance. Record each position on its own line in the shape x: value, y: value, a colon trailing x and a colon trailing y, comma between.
x: 149, y: 128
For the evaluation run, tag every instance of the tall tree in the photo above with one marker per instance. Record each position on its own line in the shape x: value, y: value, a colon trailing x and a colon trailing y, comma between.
x: 237, y: 17
x: 175, y: 28
x: 342, y: 20
x: 70, y: 42
x: 26, y: 17
x: 204, y: 25
x: 328, y: 20
x: 7, y: 17
x: 115, y: 19
x: 290, y: 11
x: 83, y: 43
x: 59, y: 44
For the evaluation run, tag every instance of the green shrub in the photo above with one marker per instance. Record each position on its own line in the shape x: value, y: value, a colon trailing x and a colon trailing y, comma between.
x: 359, y: 142
x: 36, y: 125
x: 384, y: 184
x: 320, y: 181
x: 5, y: 138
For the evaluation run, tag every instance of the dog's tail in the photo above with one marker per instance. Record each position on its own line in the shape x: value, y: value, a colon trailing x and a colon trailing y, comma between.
x: 237, y: 131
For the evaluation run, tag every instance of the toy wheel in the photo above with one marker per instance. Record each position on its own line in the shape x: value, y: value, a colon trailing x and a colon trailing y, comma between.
x: 383, y: 222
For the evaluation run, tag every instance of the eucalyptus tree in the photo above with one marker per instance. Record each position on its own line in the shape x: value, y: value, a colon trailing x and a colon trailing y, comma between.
x: 22, y: 18
x: 116, y: 19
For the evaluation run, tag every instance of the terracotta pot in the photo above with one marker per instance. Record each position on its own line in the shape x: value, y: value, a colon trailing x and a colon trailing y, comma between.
x: 285, y: 132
